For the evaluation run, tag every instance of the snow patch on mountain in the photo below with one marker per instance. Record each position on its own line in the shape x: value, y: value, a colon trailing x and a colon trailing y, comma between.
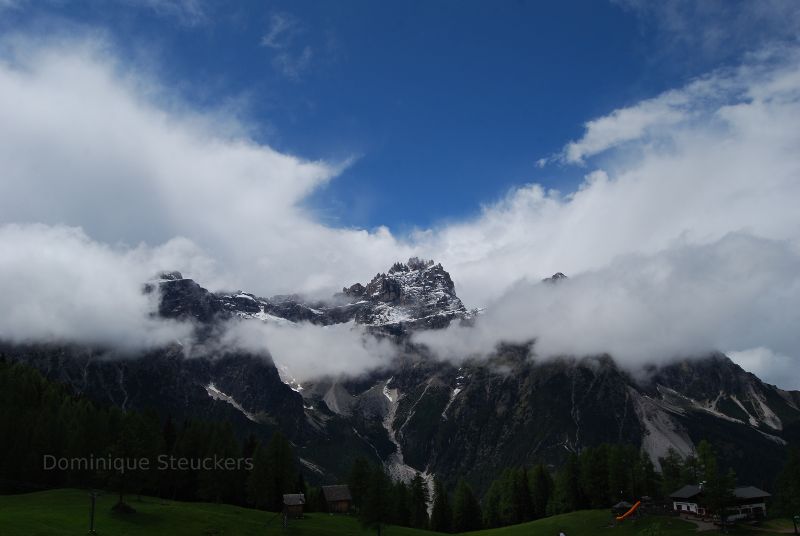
x: 288, y: 378
x: 459, y: 386
x: 216, y: 394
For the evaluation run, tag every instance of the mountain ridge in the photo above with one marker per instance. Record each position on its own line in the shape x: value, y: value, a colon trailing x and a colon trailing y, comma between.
x: 423, y: 414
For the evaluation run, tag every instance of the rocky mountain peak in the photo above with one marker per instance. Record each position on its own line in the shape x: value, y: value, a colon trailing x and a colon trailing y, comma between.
x: 555, y: 278
x: 413, y: 264
x: 169, y: 276
x: 416, y: 293
x: 412, y: 282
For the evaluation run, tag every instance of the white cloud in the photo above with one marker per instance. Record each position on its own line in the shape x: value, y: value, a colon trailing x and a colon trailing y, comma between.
x: 729, y: 163
x: 772, y: 367
x: 187, y: 12
x: 682, y: 302
x: 58, y: 285
x: 281, y: 31
x: 309, y: 351
x: 289, y: 58
x: 682, y: 171
x: 713, y: 30
x: 293, y: 65
x: 86, y: 142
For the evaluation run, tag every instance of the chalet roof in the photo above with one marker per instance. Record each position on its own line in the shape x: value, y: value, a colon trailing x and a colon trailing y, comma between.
x: 750, y: 492
x: 686, y: 492
x: 740, y: 492
x: 294, y: 499
x: 336, y: 493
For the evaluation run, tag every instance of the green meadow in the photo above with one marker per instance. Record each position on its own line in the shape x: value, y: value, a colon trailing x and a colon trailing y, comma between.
x: 66, y: 512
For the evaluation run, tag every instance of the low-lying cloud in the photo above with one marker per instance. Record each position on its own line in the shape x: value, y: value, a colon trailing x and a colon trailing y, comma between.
x: 682, y: 302
x: 308, y: 351
x: 57, y: 285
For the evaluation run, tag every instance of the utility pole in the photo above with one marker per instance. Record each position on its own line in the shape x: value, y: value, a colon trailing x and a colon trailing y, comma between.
x: 93, y: 495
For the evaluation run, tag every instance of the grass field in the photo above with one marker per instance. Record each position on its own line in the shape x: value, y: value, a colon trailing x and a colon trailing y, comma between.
x: 66, y: 512
x: 593, y: 522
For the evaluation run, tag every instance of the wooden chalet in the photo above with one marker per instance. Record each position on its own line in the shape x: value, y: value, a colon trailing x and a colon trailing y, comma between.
x: 293, y: 504
x: 338, y: 498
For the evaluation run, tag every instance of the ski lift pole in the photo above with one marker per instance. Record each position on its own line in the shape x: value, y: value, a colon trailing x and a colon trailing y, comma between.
x: 93, y: 495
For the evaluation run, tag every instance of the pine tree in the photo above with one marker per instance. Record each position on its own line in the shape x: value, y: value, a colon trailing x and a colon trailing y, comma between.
x: 273, y: 474
x: 170, y: 435
x: 522, y: 495
x: 189, y: 445
x: 358, y: 481
x: 401, y: 511
x: 619, y: 464
x: 218, y: 484
x: 541, y: 484
x: 376, y: 508
x: 691, y: 471
x: 509, y: 503
x: 567, y: 493
x: 418, y: 502
x: 281, y: 472
x: 491, y: 505
x: 672, y: 472
x: 257, y: 483
x: 787, y: 500
x: 650, y: 483
x: 442, y: 514
x: 124, y: 478
x: 717, y: 487
x: 594, y: 476
x: 466, y: 509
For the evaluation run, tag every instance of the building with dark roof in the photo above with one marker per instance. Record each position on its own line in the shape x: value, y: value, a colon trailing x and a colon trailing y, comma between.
x: 748, y: 502
x: 338, y: 498
x: 293, y: 504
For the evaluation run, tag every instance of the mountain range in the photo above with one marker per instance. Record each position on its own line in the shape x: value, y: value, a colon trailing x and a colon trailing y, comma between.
x: 418, y: 413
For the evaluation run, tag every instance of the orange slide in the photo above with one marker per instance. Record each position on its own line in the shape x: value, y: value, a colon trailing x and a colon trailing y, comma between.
x: 629, y: 512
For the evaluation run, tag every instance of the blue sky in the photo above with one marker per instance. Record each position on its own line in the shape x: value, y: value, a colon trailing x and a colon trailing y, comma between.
x: 442, y: 106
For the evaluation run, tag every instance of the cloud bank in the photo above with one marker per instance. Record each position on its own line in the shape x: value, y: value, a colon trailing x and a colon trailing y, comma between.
x: 108, y: 177
x: 682, y: 302
x: 694, y: 164
x: 86, y: 143
x: 58, y: 285
x: 308, y: 351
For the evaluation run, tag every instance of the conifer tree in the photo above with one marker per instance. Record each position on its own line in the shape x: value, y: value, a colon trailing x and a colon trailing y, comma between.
x: 491, y: 505
x: 672, y: 472
x: 418, y: 502
x: 541, y: 484
x: 466, y: 509
x: 787, y: 500
x: 717, y: 487
x: 401, y: 511
x: 358, y: 481
x: 257, y: 483
x: 567, y: 493
x: 442, y: 514
x: 376, y: 507
x: 594, y: 476
x: 522, y: 495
